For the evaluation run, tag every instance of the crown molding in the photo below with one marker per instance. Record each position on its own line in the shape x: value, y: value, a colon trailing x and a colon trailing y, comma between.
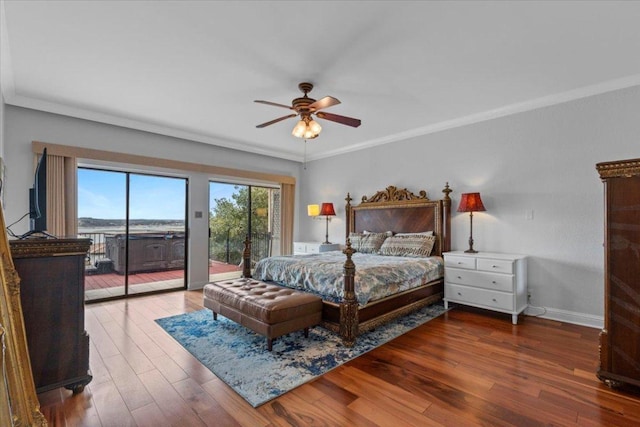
x: 52, y: 107
x: 534, y: 104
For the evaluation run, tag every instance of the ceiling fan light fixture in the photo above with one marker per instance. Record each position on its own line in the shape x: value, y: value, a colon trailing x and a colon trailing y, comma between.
x: 307, y: 128
x: 310, y: 135
x: 300, y: 129
x: 315, y: 127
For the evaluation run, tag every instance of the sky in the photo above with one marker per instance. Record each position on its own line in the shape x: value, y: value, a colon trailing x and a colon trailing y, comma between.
x: 101, y: 194
x: 220, y: 190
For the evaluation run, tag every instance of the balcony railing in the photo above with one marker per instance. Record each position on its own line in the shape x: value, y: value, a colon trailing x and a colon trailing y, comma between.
x: 227, y: 249
x: 97, y: 250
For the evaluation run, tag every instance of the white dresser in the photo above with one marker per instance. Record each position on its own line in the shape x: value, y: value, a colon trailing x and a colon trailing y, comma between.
x: 301, y: 248
x: 493, y: 281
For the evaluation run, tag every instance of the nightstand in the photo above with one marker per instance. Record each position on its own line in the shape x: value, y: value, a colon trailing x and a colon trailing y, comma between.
x: 493, y: 281
x: 301, y: 248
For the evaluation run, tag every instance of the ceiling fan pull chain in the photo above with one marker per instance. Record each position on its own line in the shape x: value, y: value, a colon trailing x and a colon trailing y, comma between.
x: 304, y: 160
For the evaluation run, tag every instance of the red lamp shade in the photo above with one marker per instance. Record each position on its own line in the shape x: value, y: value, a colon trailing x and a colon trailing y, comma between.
x: 470, y: 202
x: 327, y: 209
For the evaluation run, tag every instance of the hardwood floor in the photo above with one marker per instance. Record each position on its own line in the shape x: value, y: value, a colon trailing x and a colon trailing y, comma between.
x: 465, y: 368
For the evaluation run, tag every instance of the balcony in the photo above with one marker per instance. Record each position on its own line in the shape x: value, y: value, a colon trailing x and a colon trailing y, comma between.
x: 157, y: 261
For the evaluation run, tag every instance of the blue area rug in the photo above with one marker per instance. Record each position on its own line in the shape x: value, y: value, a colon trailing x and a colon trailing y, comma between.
x: 239, y: 357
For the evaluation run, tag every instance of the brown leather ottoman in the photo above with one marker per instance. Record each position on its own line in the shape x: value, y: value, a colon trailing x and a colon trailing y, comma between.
x: 265, y: 308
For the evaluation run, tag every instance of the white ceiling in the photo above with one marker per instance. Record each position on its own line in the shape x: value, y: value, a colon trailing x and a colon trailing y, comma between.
x: 192, y: 69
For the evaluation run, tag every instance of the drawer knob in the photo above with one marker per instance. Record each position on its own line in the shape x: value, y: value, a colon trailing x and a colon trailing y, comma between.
x: 459, y: 294
x: 459, y: 277
x: 493, y: 299
x: 493, y: 281
x: 494, y: 266
x: 459, y: 263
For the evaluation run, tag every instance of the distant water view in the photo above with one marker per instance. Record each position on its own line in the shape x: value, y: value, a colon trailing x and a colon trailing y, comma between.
x: 114, y: 226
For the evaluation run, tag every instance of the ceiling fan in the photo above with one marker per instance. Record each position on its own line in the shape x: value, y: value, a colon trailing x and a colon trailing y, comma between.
x: 304, y: 106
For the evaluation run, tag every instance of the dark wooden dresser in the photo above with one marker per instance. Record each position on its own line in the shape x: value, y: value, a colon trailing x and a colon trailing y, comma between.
x: 620, y: 338
x: 52, y: 294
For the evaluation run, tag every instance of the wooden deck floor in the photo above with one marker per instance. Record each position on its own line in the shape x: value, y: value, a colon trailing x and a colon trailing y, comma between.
x: 465, y: 368
x: 111, y: 280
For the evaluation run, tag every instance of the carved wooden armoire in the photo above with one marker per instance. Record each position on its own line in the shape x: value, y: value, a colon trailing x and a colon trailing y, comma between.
x: 620, y: 338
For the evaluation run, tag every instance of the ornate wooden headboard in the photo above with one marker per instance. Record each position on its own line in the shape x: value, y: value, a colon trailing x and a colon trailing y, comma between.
x: 401, y: 211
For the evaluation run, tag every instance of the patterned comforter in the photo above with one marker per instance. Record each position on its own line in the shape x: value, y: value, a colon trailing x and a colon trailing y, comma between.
x: 376, y: 276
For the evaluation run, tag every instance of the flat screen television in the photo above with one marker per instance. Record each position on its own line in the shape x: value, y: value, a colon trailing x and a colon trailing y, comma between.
x: 38, y: 201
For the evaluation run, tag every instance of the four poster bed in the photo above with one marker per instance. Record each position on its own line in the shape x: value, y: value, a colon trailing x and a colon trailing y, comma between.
x: 395, y: 240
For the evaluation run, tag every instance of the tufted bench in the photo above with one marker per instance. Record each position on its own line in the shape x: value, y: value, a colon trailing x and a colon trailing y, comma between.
x: 265, y: 308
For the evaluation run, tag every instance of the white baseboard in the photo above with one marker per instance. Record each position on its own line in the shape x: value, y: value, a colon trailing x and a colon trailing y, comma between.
x: 576, y: 318
x: 193, y: 286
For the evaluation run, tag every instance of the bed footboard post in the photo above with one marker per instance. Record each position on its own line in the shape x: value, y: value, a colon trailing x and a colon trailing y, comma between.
x: 446, y: 220
x: 347, y: 214
x: 246, y: 258
x: 349, y: 304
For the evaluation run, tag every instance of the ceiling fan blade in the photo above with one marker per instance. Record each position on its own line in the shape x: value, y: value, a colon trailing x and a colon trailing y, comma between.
x: 349, y: 121
x: 325, y: 102
x: 276, y: 120
x: 289, y: 107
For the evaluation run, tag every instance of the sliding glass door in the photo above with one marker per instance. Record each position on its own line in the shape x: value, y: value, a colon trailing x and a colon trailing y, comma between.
x: 138, y: 226
x: 236, y: 211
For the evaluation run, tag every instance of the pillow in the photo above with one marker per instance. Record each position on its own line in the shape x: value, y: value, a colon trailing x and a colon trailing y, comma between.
x: 367, y: 243
x: 388, y: 233
x: 410, y: 246
x: 422, y: 233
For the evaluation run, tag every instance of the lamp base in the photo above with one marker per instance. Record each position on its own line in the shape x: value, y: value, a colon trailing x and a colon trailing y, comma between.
x: 470, y: 251
x: 326, y: 236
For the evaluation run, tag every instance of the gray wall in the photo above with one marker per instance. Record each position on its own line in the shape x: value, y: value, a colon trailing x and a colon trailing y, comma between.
x: 2, y: 106
x: 25, y: 125
x: 541, y: 161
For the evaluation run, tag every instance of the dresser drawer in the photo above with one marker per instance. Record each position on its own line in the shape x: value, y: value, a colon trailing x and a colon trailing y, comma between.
x: 480, y: 297
x: 299, y: 248
x: 497, y: 282
x: 460, y: 262
x: 495, y: 265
